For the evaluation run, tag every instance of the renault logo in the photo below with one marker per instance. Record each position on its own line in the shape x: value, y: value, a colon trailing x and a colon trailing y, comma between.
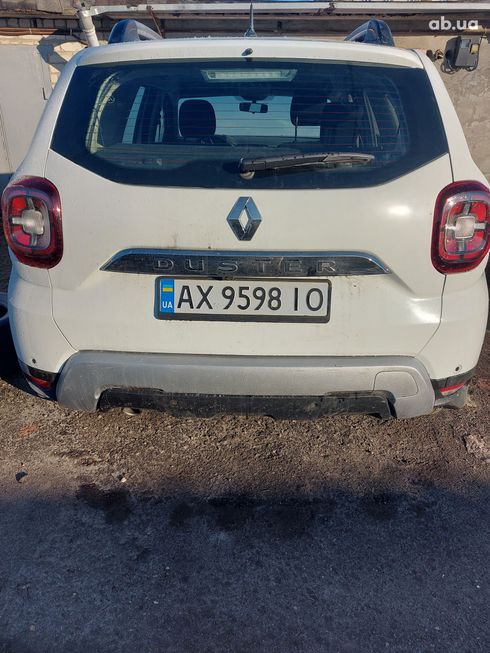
x: 245, y: 230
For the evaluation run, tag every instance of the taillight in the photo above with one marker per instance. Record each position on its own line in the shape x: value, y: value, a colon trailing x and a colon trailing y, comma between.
x: 31, y: 211
x: 461, y: 233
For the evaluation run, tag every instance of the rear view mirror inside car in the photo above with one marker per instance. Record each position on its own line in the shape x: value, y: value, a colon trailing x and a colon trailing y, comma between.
x: 254, y: 107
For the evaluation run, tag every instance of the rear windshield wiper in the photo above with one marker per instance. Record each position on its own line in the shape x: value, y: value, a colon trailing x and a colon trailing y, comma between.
x: 308, y: 159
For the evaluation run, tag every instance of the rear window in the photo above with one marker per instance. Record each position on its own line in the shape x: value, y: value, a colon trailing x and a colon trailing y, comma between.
x: 191, y: 124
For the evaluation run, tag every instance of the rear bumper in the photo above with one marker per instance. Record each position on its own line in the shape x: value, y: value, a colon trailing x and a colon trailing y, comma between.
x: 206, y: 384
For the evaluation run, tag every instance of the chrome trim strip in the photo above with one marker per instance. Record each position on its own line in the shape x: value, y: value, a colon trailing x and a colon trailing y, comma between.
x: 233, y: 264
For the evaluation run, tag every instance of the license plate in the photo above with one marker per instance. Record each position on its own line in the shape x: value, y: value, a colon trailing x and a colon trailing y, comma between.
x: 252, y: 301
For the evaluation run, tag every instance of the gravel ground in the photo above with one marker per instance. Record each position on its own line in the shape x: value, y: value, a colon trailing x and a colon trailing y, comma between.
x: 233, y: 534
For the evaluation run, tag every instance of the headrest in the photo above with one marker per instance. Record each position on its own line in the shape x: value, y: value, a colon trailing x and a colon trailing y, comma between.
x: 197, y: 119
x: 339, y: 110
x: 340, y: 123
x: 307, y: 109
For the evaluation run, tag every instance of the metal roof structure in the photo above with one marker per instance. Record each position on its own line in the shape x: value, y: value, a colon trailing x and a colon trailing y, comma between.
x: 336, y: 7
x: 220, y: 17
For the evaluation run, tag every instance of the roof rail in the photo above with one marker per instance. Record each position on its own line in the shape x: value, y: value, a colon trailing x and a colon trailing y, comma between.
x: 129, y: 30
x: 372, y: 31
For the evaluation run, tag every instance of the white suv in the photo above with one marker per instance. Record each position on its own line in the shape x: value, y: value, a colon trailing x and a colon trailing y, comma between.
x: 279, y: 226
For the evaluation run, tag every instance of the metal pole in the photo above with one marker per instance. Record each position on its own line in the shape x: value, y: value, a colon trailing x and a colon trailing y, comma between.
x: 88, y: 27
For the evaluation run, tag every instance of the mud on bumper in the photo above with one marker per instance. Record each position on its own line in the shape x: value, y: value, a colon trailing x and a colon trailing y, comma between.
x: 280, y: 407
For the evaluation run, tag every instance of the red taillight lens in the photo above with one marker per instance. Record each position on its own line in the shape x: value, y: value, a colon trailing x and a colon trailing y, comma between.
x: 461, y: 234
x: 31, y: 211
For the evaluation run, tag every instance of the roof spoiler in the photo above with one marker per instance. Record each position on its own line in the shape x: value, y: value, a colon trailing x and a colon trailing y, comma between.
x: 373, y: 31
x: 129, y: 30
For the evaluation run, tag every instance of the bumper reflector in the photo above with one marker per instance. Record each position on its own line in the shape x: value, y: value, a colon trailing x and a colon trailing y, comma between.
x: 451, y: 388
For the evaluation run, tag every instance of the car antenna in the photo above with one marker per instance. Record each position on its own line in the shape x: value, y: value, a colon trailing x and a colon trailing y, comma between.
x: 251, y: 33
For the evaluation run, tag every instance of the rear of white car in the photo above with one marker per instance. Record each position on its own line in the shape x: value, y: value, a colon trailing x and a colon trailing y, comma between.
x: 286, y: 227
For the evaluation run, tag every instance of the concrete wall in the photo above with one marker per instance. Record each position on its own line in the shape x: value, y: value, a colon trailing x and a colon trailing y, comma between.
x: 56, y: 50
x: 470, y: 91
